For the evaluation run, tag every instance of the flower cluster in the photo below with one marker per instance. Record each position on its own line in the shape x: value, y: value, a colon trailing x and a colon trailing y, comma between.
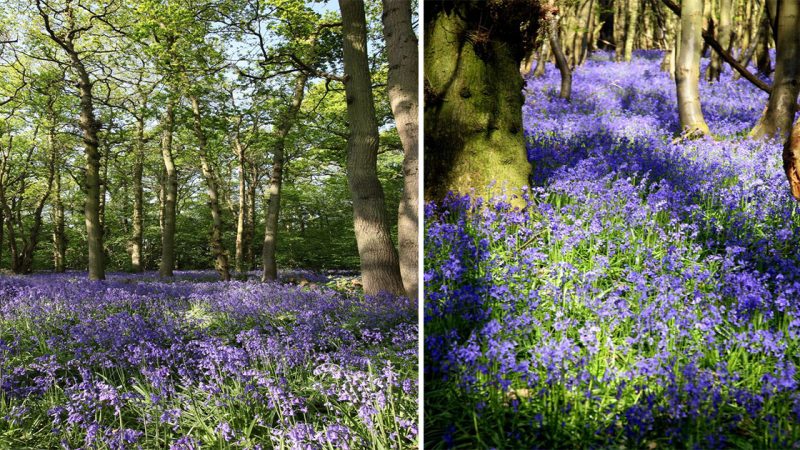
x: 645, y: 296
x: 133, y: 362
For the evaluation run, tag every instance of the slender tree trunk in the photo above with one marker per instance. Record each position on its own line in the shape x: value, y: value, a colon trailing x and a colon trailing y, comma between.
x: 169, y: 193
x: 89, y: 126
x: 687, y: 73
x: 250, y: 253
x: 59, y: 238
x: 630, y: 30
x: 138, y: 213
x: 401, y: 49
x: 276, y: 181
x: 242, y: 213
x: 561, y: 60
x: 586, y: 38
x: 715, y: 30
x: 779, y: 115
x: 218, y: 250
x: 541, y: 61
x: 620, y: 6
x: 380, y: 267
x: 763, y: 62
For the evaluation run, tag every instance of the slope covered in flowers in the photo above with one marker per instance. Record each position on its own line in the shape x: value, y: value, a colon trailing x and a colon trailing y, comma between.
x: 137, y: 363
x: 648, y: 295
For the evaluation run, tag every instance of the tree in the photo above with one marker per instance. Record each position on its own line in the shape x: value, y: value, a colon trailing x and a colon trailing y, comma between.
x: 473, y: 94
x: 687, y: 70
x: 65, y: 27
x: 781, y: 106
x: 380, y: 269
x: 401, y: 49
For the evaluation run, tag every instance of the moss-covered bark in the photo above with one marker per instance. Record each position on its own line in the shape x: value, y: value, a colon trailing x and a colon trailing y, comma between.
x: 473, y: 95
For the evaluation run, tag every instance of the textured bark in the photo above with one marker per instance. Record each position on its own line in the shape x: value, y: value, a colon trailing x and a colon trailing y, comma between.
x: 250, y: 229
x: 288, y: 121
x: 217, y: 249
x: 138, y: 212
x: 620, y: 6
x: 763, y: 62
x: 59, y: 237
x: 561, y: 60
x: 242, y: 210
x: 791, y: 161
x: 380, y: 268
x: 630, y: 29
x: 714, y: 30
x: 169, y: 193
x: 687, y: 71
x: 473, y: 97
x: 401, y: 49
x: 781, y: 107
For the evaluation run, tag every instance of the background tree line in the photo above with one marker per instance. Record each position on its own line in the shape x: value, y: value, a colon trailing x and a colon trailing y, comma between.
x: 240, y: 133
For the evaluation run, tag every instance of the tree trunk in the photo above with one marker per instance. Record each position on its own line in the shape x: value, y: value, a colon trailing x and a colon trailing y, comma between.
x: 89, y: 126
x: 250, y: 230
x: 630, y: 29
x: 59, y: 238
x: 136, y: 238
x: 380, y: 267
x: 401, y: 49
x: 779, y: 115
x: 762, y: 48
x: 587, y: 33
x: 218, y: 250
x: 716, y: 31
x: 541, y: 62
x: 687, y: 72
x: 170, y: 194
x: 561, y: 60
x: 242, y: 213
x: 620, y: 6
x: 473, y: 100
x: 607, y: 17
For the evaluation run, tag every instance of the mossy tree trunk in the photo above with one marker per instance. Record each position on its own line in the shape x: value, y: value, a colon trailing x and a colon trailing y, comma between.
x: 169, y: 194
x: 473, y: 95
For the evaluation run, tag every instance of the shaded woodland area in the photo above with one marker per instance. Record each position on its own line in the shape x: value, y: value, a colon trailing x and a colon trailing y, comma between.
x: 243, y: 134
x: 755, y: 40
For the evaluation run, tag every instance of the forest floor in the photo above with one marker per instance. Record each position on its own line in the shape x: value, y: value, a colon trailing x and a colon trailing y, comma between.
x: 648, y: 295
x: 133, y: 362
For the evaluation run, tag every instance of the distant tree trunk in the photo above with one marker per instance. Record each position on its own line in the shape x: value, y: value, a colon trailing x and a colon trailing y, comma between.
x: 242, y: 213
x: 138, y: 213
x: 380, y: 267
x: 401, y: 49
x: 250, y: 231
x: 561, y: 60
x: 687, y: 72
x: 59, y: 238
x: 541, y: 61
x: 762, y: 48
x: 288, y: 121
x: 586, y: 37
x: 715, y: 30
x: 630, y: 30
x: 751, y: 48
x: 217, y: 248
x: 779, y: 115
x: 473, y: 97
x: 620, y: 6
x: 170, y: 193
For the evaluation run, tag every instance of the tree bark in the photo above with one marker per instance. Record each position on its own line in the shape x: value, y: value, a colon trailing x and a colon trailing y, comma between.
x: 763, y: 62
x: 380, y: 267
x: 781, y: 107
x: 473, y: 97
x: 561, y: 60
x: 59, y: 238
x: 217, y: 248
x: 169, y: 194
x: 138, y: 212
x: 401, y: 49
x: 630, y: 29
x: 687, y: 71
x: 276, y: 181
x: 242, y: 213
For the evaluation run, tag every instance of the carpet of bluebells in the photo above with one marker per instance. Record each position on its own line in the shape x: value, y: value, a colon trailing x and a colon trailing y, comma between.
x: 137, y: 363
x: 647, y: 295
